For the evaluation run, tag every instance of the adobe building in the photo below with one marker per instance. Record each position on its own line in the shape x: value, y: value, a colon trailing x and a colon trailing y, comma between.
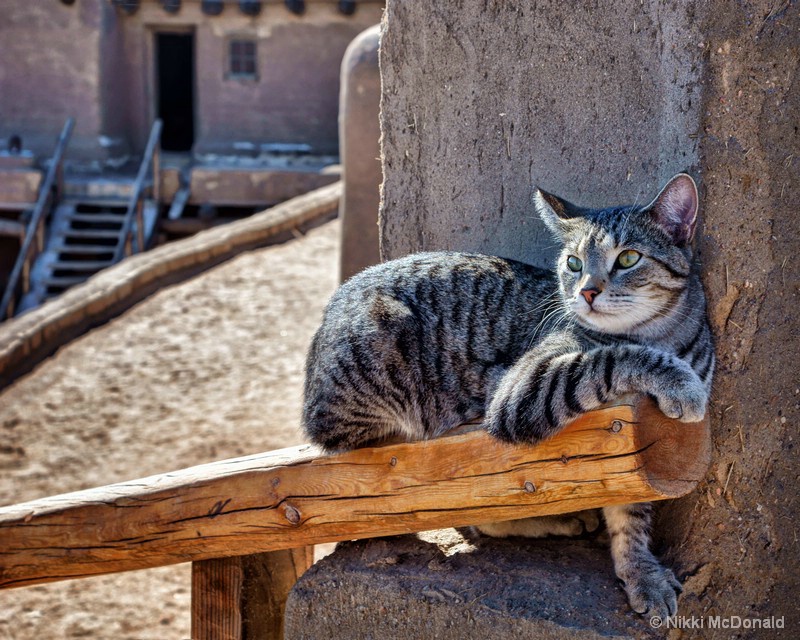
x: 225, y: 76
x: 247, y: 90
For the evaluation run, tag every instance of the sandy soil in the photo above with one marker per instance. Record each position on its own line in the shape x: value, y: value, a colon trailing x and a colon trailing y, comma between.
x: 208, y: 369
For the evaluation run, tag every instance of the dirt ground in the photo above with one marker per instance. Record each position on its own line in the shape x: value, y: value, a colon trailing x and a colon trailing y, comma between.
x: 208, y: 369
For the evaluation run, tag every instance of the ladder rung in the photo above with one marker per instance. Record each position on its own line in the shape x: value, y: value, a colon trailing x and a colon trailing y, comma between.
x: 97, y: 217
x: 99, y: 201
x: 89, y: 233
x: 82, y: 248
x: 63, y: 281
x: 80, y: 265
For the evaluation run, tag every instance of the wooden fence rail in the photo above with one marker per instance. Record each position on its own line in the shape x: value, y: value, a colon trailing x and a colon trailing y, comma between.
x: 247, y: 524
x: 295, y: 497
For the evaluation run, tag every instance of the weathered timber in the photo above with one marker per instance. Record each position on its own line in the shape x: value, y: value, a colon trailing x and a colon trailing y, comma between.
x: 244, y: 597
x: 628, y: 452
x: 26, y: 340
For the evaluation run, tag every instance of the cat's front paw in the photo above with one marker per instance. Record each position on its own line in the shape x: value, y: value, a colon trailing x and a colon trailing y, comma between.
x: 653, y: 591
x: 686, y: 406
x: 683, y: 398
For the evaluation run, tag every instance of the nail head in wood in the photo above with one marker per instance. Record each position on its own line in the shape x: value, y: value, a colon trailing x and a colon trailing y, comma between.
x: 292, y: 514
x: 530, y: 487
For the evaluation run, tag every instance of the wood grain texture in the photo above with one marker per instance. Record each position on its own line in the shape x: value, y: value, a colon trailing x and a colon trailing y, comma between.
x: 244, y: 597
x: 294, y: 497
x: 268, y: 579
x: 217, y: 587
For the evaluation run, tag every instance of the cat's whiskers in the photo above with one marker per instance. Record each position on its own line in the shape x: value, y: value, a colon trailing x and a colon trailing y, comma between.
x: 546, y: 302
x: 550, y: 303
x: 627, y: 217
x: 557, y: 311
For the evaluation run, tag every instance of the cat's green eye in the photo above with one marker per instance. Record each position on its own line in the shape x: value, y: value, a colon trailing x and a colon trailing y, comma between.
x: 628, y: 258
x: 574, y: 263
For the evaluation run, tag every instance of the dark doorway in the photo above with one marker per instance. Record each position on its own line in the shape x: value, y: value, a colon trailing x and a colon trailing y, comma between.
x: 175, y: 78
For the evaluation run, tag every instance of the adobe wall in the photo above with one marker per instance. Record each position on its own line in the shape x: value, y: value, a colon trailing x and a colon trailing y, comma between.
x: 594, y: 105
x: 296, y: 97
x: 359, y: 130
x: 51, y: 70
x: 96, y: 63
x: 601, y: 103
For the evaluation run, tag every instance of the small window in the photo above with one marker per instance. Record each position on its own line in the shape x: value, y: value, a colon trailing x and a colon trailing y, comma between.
x: 243, y: 58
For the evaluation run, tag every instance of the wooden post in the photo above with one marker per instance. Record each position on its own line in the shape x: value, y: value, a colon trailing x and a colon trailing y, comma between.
x: 38, y: 219
x: 217, y: 599
x: 26, y: 276
x: 157, y: 174
x: 140, y: 225
x: 40, y: 237
x: 244, y: 597
x: 58, y: 187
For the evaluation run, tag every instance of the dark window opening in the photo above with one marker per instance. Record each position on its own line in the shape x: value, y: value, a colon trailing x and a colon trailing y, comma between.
x: 175, y: 60
x: 243, y: 59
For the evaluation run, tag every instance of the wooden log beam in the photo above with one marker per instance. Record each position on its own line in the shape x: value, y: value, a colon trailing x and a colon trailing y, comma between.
x: 628, y: 452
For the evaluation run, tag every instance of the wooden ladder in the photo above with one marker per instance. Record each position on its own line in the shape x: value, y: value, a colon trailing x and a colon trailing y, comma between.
x: 83, y: 238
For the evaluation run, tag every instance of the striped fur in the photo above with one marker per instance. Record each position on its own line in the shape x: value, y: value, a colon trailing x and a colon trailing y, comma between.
x: 416, y: 346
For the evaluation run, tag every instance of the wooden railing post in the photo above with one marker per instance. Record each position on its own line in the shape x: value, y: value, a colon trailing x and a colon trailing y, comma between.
x: 157, y: 173
x: 58, y: 187
x: 40, y: 238
x: 244, y: 597
x: 140, y: 226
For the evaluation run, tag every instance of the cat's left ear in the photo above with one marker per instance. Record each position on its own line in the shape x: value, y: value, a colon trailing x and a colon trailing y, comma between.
x: 675, y: 208
x: 553, y: 211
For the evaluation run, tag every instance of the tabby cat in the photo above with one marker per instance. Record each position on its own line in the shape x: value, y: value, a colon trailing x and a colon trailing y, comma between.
x: 419, y: 345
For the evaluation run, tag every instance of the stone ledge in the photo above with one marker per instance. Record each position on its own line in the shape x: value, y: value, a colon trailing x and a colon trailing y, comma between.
x: 31, y: 337
x: 450, y: 584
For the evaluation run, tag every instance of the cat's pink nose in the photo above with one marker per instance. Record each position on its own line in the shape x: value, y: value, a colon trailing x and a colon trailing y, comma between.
x: 590, y: 294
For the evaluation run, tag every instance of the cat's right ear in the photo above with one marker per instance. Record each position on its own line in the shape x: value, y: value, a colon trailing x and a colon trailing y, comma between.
x: 675, y: 208
x: 553, y: 211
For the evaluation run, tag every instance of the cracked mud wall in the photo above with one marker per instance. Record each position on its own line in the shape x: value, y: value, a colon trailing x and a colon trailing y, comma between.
x: 601, y: 103
x: 739, y: 530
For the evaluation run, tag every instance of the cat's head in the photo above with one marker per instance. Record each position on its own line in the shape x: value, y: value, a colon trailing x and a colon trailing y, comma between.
x: 623, y: 270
